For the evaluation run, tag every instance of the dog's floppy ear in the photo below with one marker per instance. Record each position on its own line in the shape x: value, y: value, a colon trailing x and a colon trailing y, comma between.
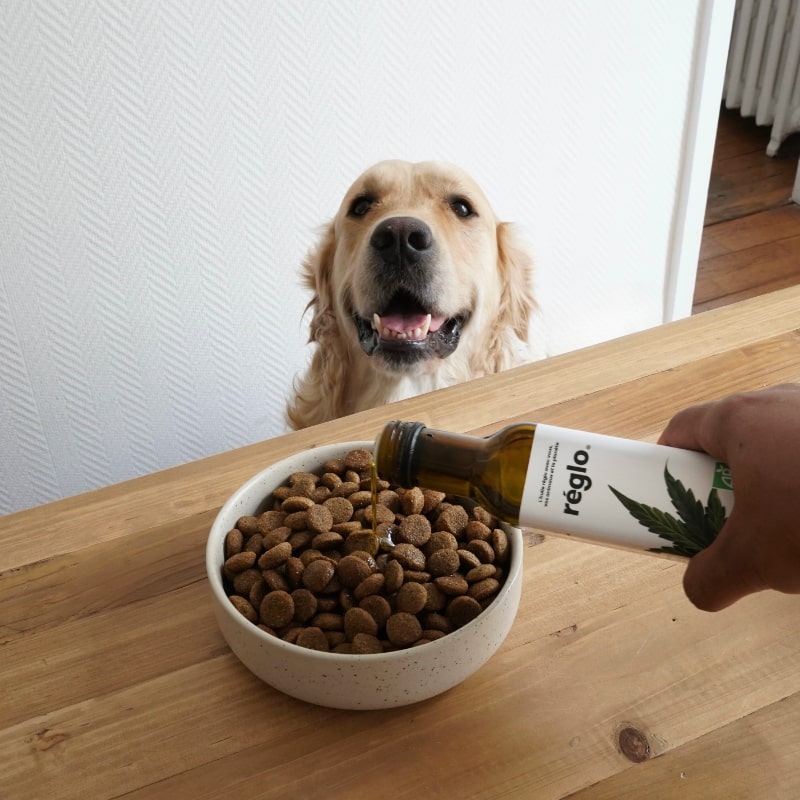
x: 515, y: 266
x: 319, y: 389
x: 318, y: 277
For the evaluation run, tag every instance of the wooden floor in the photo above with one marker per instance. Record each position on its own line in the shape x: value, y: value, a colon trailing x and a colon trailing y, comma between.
x: 751, y: 239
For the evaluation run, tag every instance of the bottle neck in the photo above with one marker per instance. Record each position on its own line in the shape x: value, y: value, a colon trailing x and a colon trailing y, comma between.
x: 410, y: 454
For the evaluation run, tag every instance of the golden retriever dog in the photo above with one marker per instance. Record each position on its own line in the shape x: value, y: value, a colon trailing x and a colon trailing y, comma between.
x: 416, y: 286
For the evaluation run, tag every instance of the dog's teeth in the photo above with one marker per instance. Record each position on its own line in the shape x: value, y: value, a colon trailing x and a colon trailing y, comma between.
x: 425, y: 328
x: 376, y: 322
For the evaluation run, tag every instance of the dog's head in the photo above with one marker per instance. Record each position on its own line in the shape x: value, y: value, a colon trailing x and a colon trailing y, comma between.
x: 414, y: 265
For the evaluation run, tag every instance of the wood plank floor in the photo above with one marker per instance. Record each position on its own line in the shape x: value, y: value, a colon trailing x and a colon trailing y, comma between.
x: 751, y: 238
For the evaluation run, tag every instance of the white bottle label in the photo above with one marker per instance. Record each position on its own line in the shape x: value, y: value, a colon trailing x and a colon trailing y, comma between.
x: 625, y: 493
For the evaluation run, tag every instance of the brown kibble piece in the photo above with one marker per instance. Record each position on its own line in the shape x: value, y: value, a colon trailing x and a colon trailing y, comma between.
x: 393, y: 573
x: 364, y: 644
x: 243, y: 606
x: 409, y: 556
x: 234, y: 542
x: 454, y: 519
x: 481, y: 549
x: 276, y: 536
x: 432, y: 500
x: 328, y: 621
x: 440, y: 540
x: 412, y: 501
x: 275, y: 556
x: 277, y: 609
x: 358, y: 459
x: 358, y: 620
x: 414, y: 529
x: 485, y: 588
x: 477, y: 530
x: 319, y: 519
x: 296, y: 503
x: 443, y: 562
x: 499, y: 541
x: 317, y: 575
x: 411, y: 597
x: 340, y: 508
x: 305, y: 604
x: 352, y: 570
x: 313, y: 638
x: 270, y: 520
x: 327, y: 541
x: 378, y: 606
x: 370, y: 585
x: 239, y: 562
x: 462, y: 610
x: 479, y: 573
x: 362, y: 540
x: 452, y: 584
x: 402, y: 629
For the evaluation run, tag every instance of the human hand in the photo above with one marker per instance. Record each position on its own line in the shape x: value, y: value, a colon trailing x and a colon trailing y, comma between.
x: 758, y: 435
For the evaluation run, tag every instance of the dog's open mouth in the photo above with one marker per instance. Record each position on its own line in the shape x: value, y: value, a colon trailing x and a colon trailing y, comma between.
x: 406, y: 331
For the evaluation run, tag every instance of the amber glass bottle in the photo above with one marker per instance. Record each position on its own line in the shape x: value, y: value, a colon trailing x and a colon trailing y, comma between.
x: 599, y: 488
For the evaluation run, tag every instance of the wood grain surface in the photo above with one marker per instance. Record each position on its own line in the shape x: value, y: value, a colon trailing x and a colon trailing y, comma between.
x: 115, y: 681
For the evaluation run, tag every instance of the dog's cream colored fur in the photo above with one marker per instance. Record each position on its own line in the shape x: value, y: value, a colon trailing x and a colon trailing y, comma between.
x: 481, y: 266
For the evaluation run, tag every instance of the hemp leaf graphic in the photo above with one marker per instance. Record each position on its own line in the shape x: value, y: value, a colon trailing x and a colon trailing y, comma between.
x: 695, y: 527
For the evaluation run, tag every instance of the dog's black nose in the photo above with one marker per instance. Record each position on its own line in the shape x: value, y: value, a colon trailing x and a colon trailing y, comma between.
x: 401, y: 240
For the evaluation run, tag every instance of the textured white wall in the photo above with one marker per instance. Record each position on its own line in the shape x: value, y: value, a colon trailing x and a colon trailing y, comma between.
x: 164, y: 167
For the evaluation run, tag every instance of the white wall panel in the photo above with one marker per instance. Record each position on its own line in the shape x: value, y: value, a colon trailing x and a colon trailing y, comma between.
x: 164, y: 167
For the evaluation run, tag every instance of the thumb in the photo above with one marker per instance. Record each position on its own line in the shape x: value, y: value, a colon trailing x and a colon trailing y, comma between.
x: 723, y: 573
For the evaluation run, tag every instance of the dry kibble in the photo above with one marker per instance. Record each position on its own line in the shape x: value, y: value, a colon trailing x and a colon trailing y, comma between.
x: 275, y: 556
x: 234, y: 542
x: 411, y: 597
x: 277, y: 609
x: 239, y: 562
x: 244, y: 607
x: 485, y: 588
x: 454, y: 519
x: 296, y: 503
x: 393, y: 573
x: 312, y: 570
x: 499, y: 542
x: 479, y: 573
x: 364, y: 644
x: 317, y: 575
x: 326, y: 541
x: 313, y: 638
x: 443, y: 562
x: 378, y: 607
x: 352, y: 570
x: 477, y: 530
x: 463, y: 609
x: 409, y: 556
x: 402, y: 629
x: 359, y: 459
x: 414, y: 529
x: 413, y: 501
x: 358, y: 620
x: 370, y: 585
x: 270, y: 520
x: 319, y: 519
x: 481, y: 549
x: 452, y: 584
x: 340, y: 508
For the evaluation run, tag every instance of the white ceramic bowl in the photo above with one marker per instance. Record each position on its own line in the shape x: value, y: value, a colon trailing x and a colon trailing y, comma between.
x: 352, y: 681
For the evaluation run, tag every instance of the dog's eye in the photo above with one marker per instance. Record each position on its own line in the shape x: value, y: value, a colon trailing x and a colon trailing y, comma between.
x: 360, y: 206
x: 461, y: 207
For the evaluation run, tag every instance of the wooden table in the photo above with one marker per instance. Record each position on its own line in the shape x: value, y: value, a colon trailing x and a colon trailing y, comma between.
x: 115, y: 682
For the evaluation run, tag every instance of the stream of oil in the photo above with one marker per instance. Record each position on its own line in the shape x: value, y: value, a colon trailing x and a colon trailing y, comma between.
x: 385, y: 540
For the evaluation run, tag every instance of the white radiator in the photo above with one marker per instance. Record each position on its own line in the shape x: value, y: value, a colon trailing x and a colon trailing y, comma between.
x: 762, y: 78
